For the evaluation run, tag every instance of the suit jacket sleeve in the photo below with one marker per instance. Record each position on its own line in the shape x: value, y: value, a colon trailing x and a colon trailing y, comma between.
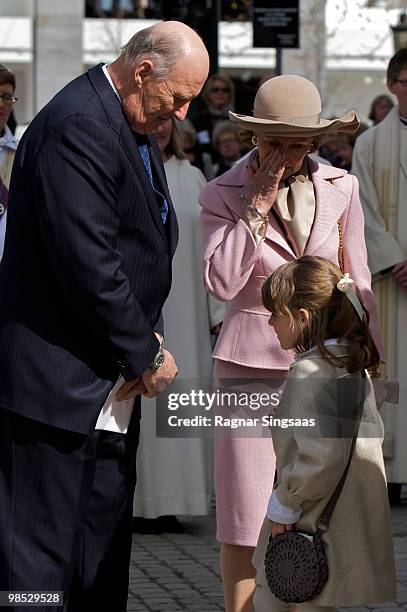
x: 383, y: 249
x: 76, y: 176
x: 355, y: 260
x: 229, y: 249
x: 159, y: 326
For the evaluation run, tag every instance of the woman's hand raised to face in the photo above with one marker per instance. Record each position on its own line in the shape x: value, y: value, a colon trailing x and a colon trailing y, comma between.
x: 265, y: 179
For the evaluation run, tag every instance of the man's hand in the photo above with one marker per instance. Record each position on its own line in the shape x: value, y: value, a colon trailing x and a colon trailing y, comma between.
x: 131, y: 389
x: 157, y: 381
x: 151, y: 382
x: 400, y: 273
x: 277, y: 528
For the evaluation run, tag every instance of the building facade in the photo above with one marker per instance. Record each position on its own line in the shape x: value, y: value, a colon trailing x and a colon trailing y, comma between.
x: 345, y: 47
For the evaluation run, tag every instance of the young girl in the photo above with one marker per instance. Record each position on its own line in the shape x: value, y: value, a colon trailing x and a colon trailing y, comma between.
x: 318, y: 312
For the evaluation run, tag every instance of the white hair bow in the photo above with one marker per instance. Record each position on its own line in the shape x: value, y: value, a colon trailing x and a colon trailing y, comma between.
x: 348, y: 287
x: 345, y: 283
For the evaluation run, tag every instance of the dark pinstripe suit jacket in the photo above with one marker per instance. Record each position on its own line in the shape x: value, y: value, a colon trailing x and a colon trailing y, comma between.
x: 87, y: 261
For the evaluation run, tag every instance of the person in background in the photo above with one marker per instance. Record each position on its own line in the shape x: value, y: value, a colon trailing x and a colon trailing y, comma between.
x: 380, y: 108
x: 344, y: 147
x: 380, y: 164
x: 219, y: 96
x: 192, y: 151
x: 8, y: 144
x: 345, y: 151
x: 174, y: 475
x: 271, y: 208
x: 226, y: 143
x: 329, y: 148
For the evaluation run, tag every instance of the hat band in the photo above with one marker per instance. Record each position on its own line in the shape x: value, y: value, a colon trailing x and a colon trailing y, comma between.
x: 307, y: 120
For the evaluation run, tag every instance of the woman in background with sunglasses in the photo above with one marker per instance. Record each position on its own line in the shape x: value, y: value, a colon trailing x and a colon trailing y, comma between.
x: 219, y: 97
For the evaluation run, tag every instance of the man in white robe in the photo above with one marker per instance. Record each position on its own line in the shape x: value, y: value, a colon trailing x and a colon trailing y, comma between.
x: 380, y: 163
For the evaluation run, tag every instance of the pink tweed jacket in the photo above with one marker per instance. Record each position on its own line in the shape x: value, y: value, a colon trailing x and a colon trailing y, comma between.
x: 234, y: 268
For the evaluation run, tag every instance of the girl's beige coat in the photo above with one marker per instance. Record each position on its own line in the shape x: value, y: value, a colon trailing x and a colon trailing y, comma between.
x: 359, y: 541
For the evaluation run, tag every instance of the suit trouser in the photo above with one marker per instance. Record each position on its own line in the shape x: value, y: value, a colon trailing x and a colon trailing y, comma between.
x: 65, y: 512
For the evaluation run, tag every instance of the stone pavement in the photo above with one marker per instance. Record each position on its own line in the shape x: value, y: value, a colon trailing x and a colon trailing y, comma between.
x: 181, y: 571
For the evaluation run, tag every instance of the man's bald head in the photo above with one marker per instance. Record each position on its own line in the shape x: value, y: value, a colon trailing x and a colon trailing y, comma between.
x: 167, y: 44
x: 160, y: 70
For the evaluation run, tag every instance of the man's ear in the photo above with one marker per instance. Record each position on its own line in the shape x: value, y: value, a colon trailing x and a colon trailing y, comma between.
x: 143, y: 70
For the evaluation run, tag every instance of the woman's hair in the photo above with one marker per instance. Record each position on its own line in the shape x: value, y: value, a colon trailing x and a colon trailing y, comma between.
x: 376, y: 101
x: 310, y: 283
x: 224, y: 127
x: 7, y: 77
x: 174, y: 146
x: 185, y: 128
x: 206, y: 93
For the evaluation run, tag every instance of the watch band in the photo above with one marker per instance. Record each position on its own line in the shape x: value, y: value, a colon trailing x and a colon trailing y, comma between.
x: 158, y: 359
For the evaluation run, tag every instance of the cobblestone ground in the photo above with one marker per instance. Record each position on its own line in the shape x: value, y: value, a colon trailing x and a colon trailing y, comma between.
x: 180, y: 571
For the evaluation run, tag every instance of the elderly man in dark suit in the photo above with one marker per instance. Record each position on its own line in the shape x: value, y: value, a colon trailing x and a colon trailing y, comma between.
x: 85, y: 273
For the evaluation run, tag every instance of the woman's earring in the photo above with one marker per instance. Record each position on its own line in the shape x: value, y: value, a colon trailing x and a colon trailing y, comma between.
x: 254, y: 140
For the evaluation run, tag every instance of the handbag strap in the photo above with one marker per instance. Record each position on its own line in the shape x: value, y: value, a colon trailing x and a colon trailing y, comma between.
x: 325, y: 517
x: 340, y: 249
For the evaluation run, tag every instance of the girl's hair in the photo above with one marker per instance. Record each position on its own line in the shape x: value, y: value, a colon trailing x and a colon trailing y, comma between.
x: 310, y: 283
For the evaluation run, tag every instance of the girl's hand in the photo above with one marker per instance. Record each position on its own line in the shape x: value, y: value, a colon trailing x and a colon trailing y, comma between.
x: 277, y: 528
x: 264, y: 181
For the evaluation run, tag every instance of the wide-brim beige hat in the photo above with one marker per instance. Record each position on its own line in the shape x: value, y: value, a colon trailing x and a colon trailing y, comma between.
x: 290, y: 105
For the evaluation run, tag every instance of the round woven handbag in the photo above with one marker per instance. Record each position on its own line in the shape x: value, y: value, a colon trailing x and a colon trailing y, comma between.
x: 296, y: 566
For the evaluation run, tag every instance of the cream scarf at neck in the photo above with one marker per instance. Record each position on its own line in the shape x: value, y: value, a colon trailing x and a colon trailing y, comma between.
x: 295, y: 206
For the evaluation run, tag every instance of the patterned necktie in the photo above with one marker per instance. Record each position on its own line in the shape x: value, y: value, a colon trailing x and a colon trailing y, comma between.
x: 143, y: 149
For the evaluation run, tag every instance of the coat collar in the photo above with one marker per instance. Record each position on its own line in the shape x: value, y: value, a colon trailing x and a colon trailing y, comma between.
x: 117, y: 120
x: 339, y: 347
x: 331, y: 201
x: 108, y: 98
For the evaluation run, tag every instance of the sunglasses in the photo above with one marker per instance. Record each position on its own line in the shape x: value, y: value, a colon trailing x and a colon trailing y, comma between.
x: 220, y: 90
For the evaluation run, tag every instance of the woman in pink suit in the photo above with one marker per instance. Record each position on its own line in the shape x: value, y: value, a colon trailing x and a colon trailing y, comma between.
x: 276, y: 205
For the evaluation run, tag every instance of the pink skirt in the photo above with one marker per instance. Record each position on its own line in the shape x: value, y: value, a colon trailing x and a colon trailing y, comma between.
x: 244, y: 470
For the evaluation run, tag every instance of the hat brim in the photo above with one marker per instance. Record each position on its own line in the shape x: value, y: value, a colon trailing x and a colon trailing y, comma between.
x: 347, y: 123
